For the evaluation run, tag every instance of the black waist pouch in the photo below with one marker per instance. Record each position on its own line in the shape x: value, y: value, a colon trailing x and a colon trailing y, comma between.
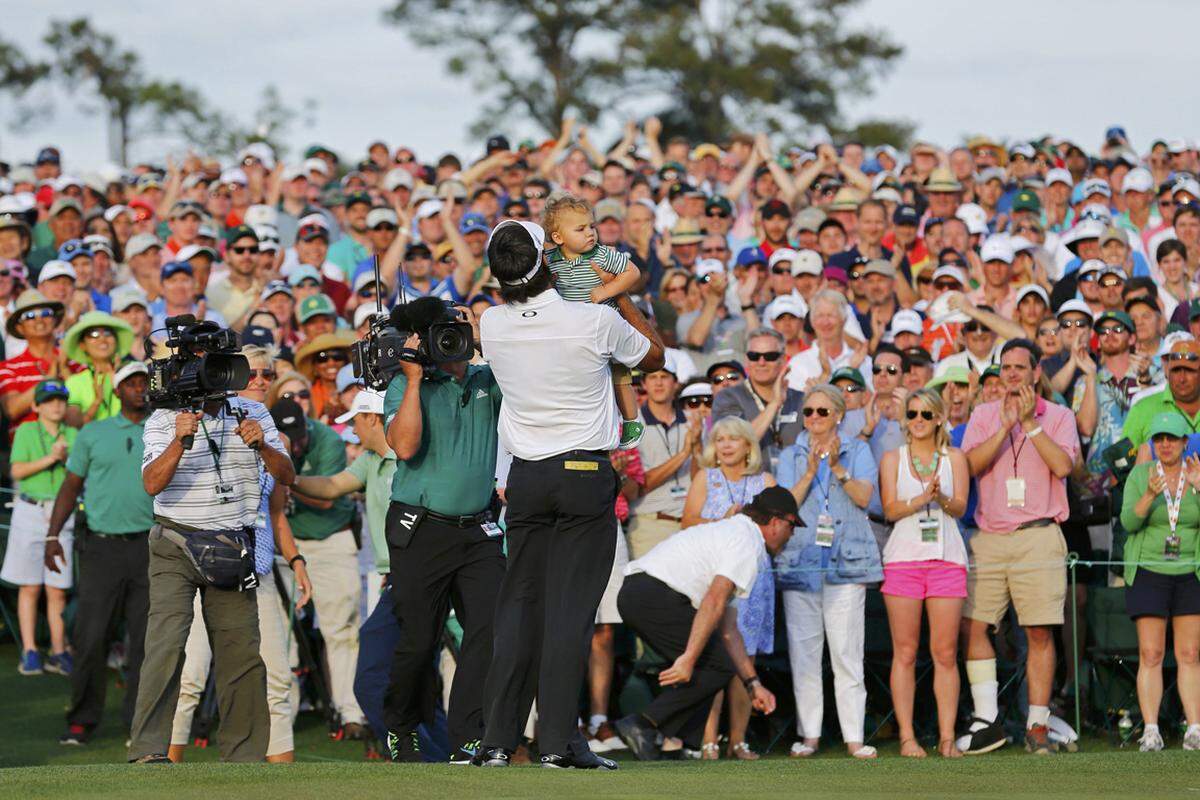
x: 224, y: 559
x: 402, y: 522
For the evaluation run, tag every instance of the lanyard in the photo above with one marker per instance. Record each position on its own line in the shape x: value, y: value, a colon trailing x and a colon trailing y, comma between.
x: 214, y: 449
x: 1016, y: 451
x: 1173, y: 504
x: 662, y: 431
x: 745, y: 484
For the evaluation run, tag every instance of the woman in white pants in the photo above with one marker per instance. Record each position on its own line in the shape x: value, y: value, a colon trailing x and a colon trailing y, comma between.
x: 271, y: 531
x: 825, y: 568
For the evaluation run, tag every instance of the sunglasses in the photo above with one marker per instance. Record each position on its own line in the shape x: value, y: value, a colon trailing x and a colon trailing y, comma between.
x: 717, y: 214
x: 303, y: 394
x: 1176, y: 357
x: 1075, y: 323
x: 222, y: 193
x: 244, y: 250
x: 519, y: 215
x: 854, y: 276
x: 1111, y: 330
x: 96, y: 333
x: 366, y: 291
x: 729, y: 376
x: 37, y: 313
x: 853, y: 388
x: 972, y: 327
x: 265, y: 374
x: 890, y: 369
x: 404, y: 159
x: 1048, y: 331
x: 1108, y: 281
x: 923, y: 281
x: 386, y: 226
x: 820, y: 412
x: 946, y: 285
x: 4, y: 273
x: 534, y: 196
x: 926, y: 415
x: 308, y: 283
x: 1091, y: 277
x: 331, y: 355
x: 696, y: 402
x: 781, y: 270
x: 770, y: 355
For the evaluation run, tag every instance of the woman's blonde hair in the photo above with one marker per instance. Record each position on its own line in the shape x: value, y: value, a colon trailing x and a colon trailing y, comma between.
x: 260, y: 352
x: 831, y: 393
x: 280, y: 380
x: 670, y: 275
x: 733, y: 426
x: 933, y: 401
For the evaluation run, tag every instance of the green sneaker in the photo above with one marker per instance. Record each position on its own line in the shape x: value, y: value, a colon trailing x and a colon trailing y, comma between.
x: 631, y: 434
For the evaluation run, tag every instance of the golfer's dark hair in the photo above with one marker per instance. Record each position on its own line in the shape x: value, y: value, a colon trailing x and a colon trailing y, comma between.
x: 511, y: 253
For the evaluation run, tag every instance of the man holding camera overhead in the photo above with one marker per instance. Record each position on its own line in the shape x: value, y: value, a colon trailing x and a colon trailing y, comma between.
x: 443, y: 541
x: 202, y: 468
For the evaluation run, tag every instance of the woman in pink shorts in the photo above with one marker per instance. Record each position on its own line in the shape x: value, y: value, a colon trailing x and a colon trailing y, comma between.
x: 924, y: 486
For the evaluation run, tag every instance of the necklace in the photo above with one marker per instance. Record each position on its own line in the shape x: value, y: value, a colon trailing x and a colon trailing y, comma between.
x: 919, y: 467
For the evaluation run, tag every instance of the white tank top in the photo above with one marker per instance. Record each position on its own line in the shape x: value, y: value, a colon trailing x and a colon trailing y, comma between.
x: 905, y: 543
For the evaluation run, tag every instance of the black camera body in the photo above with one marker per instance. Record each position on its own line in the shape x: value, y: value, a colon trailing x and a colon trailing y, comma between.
x: 443, y: 334
x: 206, y: 365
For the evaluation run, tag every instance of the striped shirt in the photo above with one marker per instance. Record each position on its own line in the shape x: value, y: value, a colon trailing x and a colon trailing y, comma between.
x: 200, y: 495
x: 574, y: 278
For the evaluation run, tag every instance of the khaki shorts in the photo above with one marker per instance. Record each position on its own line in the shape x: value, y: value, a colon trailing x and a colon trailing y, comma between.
x: 1026, y: 568
x: 646, y: 530
x: 621, y: 375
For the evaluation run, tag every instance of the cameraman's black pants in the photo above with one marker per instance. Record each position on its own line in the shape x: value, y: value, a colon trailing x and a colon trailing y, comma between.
x: 561, y: 522
x: 663, y: 618
x: 114, y: 583
x: 442, y: 564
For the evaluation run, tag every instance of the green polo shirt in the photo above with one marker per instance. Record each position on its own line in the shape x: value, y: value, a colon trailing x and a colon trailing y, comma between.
x: 346, y: 253
x: 325, y: 456
x: 31, y: 442
x: 1137, y: 421
x: 108, y: 456
x: 375, y: 473
x: 454, y: 471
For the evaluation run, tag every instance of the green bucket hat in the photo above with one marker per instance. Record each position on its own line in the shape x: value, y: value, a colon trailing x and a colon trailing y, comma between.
x: 1172, y: 424
x: 97, y: 319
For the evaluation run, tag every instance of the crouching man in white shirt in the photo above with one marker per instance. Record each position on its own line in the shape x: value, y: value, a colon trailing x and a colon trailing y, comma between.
x: 675, y: 597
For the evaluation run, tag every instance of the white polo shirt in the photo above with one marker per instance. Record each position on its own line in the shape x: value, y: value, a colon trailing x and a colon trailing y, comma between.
x: 551, y: 359
x: 689, y: 560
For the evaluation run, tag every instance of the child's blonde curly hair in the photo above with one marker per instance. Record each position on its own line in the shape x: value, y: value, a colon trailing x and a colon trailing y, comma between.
x: 558, y: 204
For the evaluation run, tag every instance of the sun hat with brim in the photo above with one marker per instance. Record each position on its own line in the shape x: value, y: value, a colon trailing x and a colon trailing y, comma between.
x: 1169, y: 423
x: 953, y: 374
x: 326, y: 341
x: 942, y: 180
x: 50, y: 390
x: 97, y: 319
x: 29, y: 300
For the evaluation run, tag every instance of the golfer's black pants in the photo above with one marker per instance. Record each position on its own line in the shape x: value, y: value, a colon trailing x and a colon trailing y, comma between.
x: 663, y: 618
x: 560, y: 525
x: 441, y: 565
x: 114, y: 584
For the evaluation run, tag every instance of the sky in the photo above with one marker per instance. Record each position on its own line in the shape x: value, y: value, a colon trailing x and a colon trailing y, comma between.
x: 1011, y: 70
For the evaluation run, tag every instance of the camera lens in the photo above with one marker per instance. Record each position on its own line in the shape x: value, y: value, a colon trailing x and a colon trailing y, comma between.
x: 225, y: 372
x: 450, y: 340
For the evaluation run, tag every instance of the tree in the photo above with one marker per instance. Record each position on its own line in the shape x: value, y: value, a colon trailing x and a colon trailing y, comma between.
x: 83, y: 56
x: 766, y: 64
x: 874, y: 132
x: 220, y: 135
x: 18, y: 75
x: 536, y: 58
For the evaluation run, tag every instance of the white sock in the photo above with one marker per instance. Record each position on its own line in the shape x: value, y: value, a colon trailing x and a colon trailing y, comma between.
x: 985, y: 689
x: 1038, y: 715
x: 1151, y: 728
x: 595, y: 721
x: 1194, y: 728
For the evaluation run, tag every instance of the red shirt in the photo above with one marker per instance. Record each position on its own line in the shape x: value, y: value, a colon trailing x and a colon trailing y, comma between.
x: 20, y: 374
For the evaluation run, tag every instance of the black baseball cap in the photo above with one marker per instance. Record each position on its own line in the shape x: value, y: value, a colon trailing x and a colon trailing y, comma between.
x: 497, y: 143
x: 734, y: 365
x: 257, y: 335
x: 906, y: 215
x: 289, y: 418
x: 776, y: 501
x: 775, y: 208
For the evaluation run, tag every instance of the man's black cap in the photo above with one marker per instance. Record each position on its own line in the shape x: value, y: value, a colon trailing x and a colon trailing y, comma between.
x: 727, y: 365
x: 289, y: 418
x: 497, y: 143
x: 776, y: 501
x: 257, y: 335
x: 906, y: 215
x: 357, y: 197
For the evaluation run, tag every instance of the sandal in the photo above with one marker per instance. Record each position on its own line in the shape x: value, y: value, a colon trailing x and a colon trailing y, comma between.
x: 866, y: 752
x: 918, y: 753
x: 710, y: 751
x: 801, y: 750
x: 742, y: 752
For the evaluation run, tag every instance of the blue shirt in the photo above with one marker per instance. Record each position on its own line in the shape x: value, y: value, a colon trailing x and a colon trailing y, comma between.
x: 968, y: 517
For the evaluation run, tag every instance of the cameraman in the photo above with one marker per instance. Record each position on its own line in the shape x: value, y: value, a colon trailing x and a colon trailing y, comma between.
x: 213, y: 486
x: 442, y: 541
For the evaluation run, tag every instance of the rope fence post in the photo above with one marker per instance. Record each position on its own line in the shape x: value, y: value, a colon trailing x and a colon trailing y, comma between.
x: 1072, y: 564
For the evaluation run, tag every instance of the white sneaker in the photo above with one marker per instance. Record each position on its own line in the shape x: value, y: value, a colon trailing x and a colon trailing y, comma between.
x: 1191, y: 739
x: 1152, y: 741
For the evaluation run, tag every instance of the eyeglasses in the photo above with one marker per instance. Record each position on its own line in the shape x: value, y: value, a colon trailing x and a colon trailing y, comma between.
x: 1048, y: 331
x: 37, y: 313
x: 770, y: 355
x: 1075, y: 323
x: 890, y: 369
x: 926, y: 415
x: 331, y: 355
x: 820, y: 412
x: 696, y: 402
x: 96, y: 333
x: 265, y: 374
x: 303, y: 394
x: 1111, y: 330
x: 781, y: 270
x: 946, y: 285
x: 244, y: 250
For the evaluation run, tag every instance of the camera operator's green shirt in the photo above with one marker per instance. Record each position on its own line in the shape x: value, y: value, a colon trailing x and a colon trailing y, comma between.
x: 454, y: 470
x: 326, y: 455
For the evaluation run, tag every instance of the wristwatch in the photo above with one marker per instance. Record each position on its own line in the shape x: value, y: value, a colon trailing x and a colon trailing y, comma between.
x: 749, y: 682
x: 292, y: 561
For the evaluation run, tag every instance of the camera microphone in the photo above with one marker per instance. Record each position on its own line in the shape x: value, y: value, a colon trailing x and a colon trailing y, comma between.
x: 418, y: 315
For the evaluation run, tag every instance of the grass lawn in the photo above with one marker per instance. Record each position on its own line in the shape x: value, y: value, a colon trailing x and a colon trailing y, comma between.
x: 35, y: 766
